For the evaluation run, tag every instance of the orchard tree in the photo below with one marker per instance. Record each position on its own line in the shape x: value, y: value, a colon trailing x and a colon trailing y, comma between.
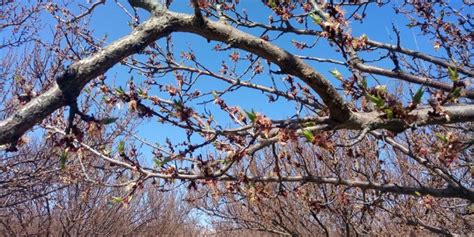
x: 250, y: 106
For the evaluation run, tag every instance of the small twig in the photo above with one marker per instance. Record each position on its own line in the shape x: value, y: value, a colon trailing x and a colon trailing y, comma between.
x: 88, y: 11
x: 357, y: 139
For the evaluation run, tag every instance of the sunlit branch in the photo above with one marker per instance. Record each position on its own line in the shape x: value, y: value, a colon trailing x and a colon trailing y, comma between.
x: 420, y: 55
x: 410, y: 78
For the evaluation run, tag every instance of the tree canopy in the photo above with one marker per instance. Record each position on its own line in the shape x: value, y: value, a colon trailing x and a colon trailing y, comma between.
x: 289, y: 117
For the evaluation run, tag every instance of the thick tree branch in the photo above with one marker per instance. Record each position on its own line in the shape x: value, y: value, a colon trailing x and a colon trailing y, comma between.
x: 287, y: 62
x: 75, y: 77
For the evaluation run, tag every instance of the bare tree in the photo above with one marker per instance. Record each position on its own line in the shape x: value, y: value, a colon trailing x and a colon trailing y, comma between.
x: 303, y: 209
x: 50, y: 200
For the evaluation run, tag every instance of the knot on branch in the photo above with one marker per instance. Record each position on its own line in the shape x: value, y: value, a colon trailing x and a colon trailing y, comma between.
x: 68, y: 87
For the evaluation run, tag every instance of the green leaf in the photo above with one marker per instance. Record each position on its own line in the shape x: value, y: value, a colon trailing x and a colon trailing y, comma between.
x: 376, y: 100
x: 309, y: 124
x: 442, y: 137
x: 252, y: 116
x: 63, y: 159
x: 316, y: 18
x: 272, y: 4
x: 18, y: 78
x: 418, y: 95
x: 223, y: 161
x: 456, y: 93
x: 417, y: 193
x: 337, y: 74
x: 121, y: 147
x: 389, y: 113
x: 308, y: 135
x: 453, y: 74
x: 142, y: 93
x: 214, y: 93
x: 363, y: 83
x: 117, y: 200
x: 119, y: 91
x: 160, y: 163
x: 178, y: 104
x: 106, y: 121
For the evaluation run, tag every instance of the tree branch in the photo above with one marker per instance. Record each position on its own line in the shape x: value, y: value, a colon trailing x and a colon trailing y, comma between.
x: 75, y: 77
x: 287, y: 62
x: 409, y: 78
x: 420, y: 55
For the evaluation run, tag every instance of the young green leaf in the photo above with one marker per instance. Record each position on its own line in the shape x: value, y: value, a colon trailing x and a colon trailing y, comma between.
x: 308, y: 135
x: 453, y: 74
x: 272, y: 4
x: 337, y: 74
x: 121, y: 147
x: 309, y: 124
x: 441, y: 137
x: 456, y: 93
x: 363, y: 83
x: 214, y: 93
x: 251, y: 115
x: 389, y: 113
x: 18, y: 78
x: 142, y: 93
x: 160, y: 163
x: 117, y: 200
x: 316, y: 18
x: 376, y: 100
x: 223, y: 161
x: 418, y: 95
x: 107, y: 121
x: 119, y: 91
x: 63, y: 159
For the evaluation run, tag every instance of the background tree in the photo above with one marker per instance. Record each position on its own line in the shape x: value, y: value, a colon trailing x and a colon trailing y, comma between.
x: 383, y: 132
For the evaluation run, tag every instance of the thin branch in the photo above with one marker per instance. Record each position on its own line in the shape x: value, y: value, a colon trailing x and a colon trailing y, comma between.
x: 409, y: 78
x: 418, y: 54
